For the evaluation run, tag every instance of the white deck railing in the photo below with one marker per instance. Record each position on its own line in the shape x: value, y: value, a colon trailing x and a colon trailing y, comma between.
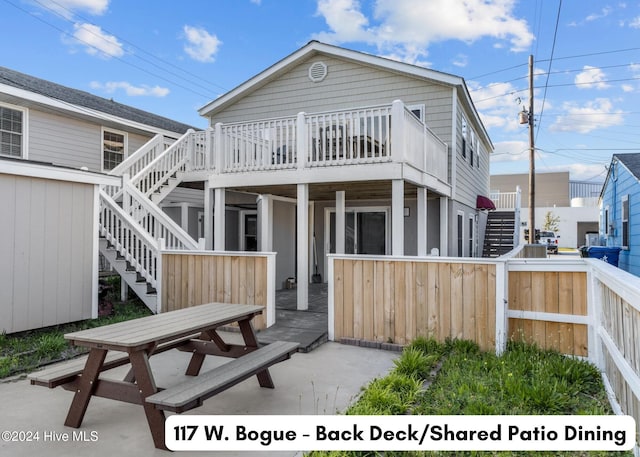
x: 336, y: 138
x: 153, y: 220
x: 134, y: 244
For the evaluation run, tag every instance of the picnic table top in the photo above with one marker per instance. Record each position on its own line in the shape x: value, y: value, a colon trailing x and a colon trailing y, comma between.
x: 158, y: 328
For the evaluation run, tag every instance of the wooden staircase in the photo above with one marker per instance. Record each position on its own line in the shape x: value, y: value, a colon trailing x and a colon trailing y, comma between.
x: 498, y: 237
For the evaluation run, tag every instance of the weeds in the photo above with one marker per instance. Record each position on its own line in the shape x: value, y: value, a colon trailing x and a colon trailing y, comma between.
x: 25, y: 351
x: 523, y: 381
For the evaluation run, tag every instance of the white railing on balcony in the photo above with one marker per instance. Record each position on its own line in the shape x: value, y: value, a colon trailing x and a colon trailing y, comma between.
x: 505, y: 200
x: 348, y: 136
x: 254, y: 146
x: 136, y: 246
x: 153, y: 220
x: 424, y: 149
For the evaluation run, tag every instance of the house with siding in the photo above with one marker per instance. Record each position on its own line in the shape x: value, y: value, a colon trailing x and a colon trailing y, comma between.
x: 57, y: 146
x: 327, y: 151
x: 620, y: 210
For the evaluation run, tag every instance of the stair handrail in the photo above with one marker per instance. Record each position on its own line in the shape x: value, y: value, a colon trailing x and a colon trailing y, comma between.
x: 130, y: 241
x: 155, y: 173
x: 139, y: 159
x: 155, y: 222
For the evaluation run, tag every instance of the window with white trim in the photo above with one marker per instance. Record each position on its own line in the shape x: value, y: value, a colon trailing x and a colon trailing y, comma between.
x: 114, y: 145
x: 464, y: 137
x: 625, y: 222
x: 472, y: 235
x: 11, y: 132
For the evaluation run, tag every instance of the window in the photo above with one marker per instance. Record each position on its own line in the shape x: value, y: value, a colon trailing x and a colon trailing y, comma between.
x: 625, y: 222
x: 464, y: 138
x: 472, y: 146
x: 113, y: 149
x: 606, y: 221
x: 460, y: 233
x: 417, y: 110
x: 11, y: 132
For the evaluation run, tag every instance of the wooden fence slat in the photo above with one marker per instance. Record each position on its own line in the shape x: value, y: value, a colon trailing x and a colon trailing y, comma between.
x: 457, y: 306
x: 338, y: 298
x: 367, y: 300
x: 399, y: 304
x: 410, y: 302
x: 552, y: 305
x: 358, y: 313
x: 422, y: 300
x: 444, y: 307
x: 565, y: 306
x: 432, y: 310
x: 348, y: 298
x: 481, y: 279
x: 378, y: 297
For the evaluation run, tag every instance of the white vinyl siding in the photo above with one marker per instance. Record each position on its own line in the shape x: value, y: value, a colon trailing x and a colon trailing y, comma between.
x: 71, y: 142
x: 350, y: 85
x: 46, y: 271
x: 471, y: 181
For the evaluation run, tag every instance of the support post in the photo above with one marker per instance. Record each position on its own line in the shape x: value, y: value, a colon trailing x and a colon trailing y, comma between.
x: 208, y: 216
x: 340, y: 222
x: 397, y: 217
x: 444, y: 226
x: 303, y: 247
x: 265, y: 211
x: 219, y: 219
x: 422, y: 221
x: 301, y: 141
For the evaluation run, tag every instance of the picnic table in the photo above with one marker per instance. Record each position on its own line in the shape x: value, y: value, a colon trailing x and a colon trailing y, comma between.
x: 193, y: 329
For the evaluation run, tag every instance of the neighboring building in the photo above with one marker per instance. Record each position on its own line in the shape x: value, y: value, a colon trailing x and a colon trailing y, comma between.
x: 574, y: 203
x: 326, y: 151
x: 49, y: 244
x: 48, y: 132
x: 620, y: 210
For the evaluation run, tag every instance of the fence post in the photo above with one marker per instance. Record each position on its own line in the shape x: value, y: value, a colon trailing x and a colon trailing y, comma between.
x: 161, y: 248
x: 594, y: 311
x: 330, y: 302
x: 301, y: 141
x: 218, y: 148
x: 398, y: 149
x: 502, y: 305
x: 516, y: 211
x: 271, y: 290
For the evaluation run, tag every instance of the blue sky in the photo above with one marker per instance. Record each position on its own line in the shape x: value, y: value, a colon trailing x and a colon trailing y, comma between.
x: 173, y: 57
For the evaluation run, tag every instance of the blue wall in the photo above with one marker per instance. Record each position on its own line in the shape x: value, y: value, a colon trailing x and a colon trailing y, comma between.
x: 621, y: 182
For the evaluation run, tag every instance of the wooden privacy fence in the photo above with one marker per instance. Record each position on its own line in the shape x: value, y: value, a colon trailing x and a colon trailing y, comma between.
x: 191, y: 278
x: 580, y: 307
x: 399, y: 299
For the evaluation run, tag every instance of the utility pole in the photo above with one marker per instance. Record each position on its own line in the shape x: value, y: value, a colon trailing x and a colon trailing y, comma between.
x: 532, y: 165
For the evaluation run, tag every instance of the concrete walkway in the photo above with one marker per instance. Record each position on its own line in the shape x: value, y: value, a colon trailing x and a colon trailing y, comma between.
x: 323, y: 381
x: 309, y: 327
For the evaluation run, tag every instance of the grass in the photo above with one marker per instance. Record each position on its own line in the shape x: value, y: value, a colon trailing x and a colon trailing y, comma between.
x: 523, y: 381
x: 25, y: 351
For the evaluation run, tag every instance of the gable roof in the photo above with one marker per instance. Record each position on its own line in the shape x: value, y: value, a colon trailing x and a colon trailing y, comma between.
x: 88, y: 104
x: 631, y: 161
x: 315, y: 47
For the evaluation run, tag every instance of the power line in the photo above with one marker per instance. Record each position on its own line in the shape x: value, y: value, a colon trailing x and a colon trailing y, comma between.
x: 208, y: 96
x: 546, y: 84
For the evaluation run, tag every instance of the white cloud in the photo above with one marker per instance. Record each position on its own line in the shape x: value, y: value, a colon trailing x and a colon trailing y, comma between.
x: 96, y: 41
x: 408, y: 27
x: 627, y: 88
x: 498, y: 104
x: 635, y: 23
x: 510, y: 151
x: 604, y: 12
x: 67, y: 8
x: 131, y: 90
x: 591, y: 77
x: 461, y: 60
x: 202, y: 46
x: 593, y: 115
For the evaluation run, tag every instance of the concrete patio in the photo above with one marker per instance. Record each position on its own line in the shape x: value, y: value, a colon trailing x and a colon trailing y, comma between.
x: 309, y: 327
x: 321, y: 382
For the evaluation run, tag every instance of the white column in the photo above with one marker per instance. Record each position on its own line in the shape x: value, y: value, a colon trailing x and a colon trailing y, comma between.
x: 184, y: 216
x: 303, y: 247
x: 444, y: 226
x: 422, y: 221
x: 265, y: 208
x: 397, y: 217
x: 208, y: 217
x: 219, y: 219
x: 340, y: 221
x: 301, y: 141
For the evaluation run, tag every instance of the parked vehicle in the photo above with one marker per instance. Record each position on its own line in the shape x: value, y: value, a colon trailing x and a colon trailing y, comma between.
x: 550, y: 239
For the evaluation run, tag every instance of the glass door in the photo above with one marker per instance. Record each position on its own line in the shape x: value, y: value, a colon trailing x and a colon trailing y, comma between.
x: 365, y: 231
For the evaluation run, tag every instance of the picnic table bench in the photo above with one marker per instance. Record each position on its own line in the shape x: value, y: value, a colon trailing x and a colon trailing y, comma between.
x: 192, y: 330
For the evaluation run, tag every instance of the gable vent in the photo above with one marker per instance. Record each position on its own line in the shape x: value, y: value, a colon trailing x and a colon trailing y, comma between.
x: 317, y: 72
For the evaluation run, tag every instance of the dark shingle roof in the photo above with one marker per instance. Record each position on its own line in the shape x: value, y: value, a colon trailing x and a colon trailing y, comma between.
x: 87, y: 100
x: 631, y: 161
